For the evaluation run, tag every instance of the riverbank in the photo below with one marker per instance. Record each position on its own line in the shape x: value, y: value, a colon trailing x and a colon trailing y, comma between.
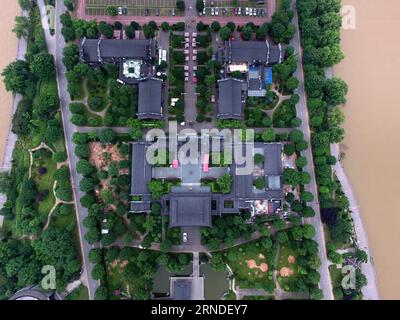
x: 370, y: 291
x: 372, y: 133
x: 7, y: 55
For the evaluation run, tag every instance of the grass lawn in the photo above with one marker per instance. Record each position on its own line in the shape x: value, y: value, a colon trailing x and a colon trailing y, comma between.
x: 45, y: 183
x: 287, y: 283
x: 68, y: 222
x: 80, y: 293
x: 80, y: 92
x: 336, y: 275
x: 93, y: 119
x: 237, y: 258
x: 115, y: 281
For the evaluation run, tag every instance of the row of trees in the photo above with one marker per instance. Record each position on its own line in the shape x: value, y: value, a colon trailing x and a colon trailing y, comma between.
x: 73, y: 29
x: 21, y: 261
x: 320, y: 23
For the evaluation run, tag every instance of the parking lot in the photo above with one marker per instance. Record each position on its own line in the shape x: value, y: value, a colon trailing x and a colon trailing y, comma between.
x: 225, y: 8
x: 135, y: 7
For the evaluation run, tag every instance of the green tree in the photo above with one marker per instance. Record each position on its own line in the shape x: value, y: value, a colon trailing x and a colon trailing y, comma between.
x: 101, y: 293
x: 21, y: 28
x: 301, y: 162
x: 291, y: 177
x: 71, y: 56
x: 130, y: 32
x: 156, y: 188
x: 180, y: 5
x: 225, y: 33
x: 107, y: 135
x: 335, y: 91
x: 225, y: 183
x: 98, y: 272
x: 84, y: 168
x: 308, y: 231
x: 260, y: 184
x: 246, y: 33
x: 106, y: 29
x: 362, y: 256
x: 112, y: 11
x: 42, y: 66
x: 165, y: 26
x: 296, y: 136
x: 17, y: 76
x: 259, y: 158
x: 199, y: 5
x: 282, y: 237
x: 215, y: 26
x: 69, y: 4
x: 87, y: 184
x: 82, y: 151
x: 306, y: 196
x: 25, y: 4
x: 95, y: 256
x: 269, y: 135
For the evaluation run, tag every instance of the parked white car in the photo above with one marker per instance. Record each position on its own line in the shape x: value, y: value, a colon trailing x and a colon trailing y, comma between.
x: 184, y: 237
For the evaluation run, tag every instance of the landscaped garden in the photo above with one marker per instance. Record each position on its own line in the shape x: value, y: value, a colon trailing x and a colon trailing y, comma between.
x: 31, y: 237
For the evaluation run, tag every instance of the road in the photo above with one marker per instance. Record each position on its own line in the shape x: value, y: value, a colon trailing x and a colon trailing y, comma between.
x: 69, y: 129
x: 302, y: 113
x: 190, y: 88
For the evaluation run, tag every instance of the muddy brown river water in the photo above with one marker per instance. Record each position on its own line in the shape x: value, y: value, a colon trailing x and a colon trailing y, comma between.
x: 371, y: 69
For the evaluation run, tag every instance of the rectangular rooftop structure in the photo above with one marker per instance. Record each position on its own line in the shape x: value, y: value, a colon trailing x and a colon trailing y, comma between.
x: 113, y: 50
x: 230, y: 99
x: 141, y: 169
x: 190, y: 210
x: 253, y: 52
x: 187, y: 288
x: 150, y: 99
x: 273, y: 159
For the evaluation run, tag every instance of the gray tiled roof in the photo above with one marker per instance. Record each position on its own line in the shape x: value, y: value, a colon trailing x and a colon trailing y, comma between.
x: 109, y: 49
x: 141, y: 169
x: 273, y: 160
x: 150, y: 99
x: 253, y: 51
x: 190, y: 210
x: 182, y: 290
x: 230, y: 99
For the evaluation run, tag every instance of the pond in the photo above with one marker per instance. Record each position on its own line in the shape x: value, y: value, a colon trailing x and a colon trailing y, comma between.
x: 216, y: 283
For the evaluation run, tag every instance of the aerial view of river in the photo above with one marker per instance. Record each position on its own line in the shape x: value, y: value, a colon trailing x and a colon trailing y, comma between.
x: 371, y: 69
x: 8, y: 51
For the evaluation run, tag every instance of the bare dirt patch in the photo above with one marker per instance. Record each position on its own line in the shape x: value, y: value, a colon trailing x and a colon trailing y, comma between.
x: 101, y: 155
x: 291, y: 259
x: 285, y: 272
x: 263, y: 267
x: 120, y: 264
x: 252, y: 264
